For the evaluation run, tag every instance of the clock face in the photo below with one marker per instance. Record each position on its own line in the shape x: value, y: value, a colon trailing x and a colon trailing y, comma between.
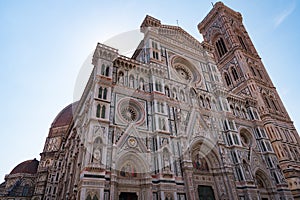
x: 132, y: 142
x: 53, y: 144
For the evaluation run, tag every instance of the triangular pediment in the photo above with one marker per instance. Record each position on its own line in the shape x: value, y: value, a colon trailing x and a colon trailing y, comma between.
x: 180, y: 36
x: 131, y: 140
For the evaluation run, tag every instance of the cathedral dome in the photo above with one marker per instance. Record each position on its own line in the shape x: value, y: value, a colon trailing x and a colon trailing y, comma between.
x: 65, y: 116
x: 28, y: 167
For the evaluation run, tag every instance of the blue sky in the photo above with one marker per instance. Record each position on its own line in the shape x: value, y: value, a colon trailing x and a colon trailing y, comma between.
x: 45, y: 43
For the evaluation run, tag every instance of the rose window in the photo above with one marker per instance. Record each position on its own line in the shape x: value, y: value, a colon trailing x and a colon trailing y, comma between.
x: 129, y: 114
x: 183, y: 72
x: 130, y: 111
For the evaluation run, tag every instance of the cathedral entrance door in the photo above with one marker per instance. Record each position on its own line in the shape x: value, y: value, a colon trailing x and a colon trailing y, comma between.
x: 206, y: 192
x: 128, y: 196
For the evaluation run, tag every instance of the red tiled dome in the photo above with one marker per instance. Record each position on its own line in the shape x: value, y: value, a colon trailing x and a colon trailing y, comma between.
x: 28, y: 167
x: 65, y: 116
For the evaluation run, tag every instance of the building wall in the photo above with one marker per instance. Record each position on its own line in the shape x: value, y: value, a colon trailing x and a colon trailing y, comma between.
x: 168, y: 124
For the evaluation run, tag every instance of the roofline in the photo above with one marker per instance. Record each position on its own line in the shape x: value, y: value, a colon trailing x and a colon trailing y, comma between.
x: 219, y: 6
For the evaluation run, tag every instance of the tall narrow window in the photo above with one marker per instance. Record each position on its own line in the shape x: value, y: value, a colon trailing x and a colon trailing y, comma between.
x: 221, y: 47
x: 98, y: 111
x: 103, y: 69
x: 236, y: 139
x: 234, y: 157
x: 100, y: 93
x: 202, y: 102
x: 107, y: 71
x: 274, y: 104
x: 227, y: 79
x: 103, y: 112
x: 155, y: 50
x: 253, y: 71
x: 242, y: 42
x: 234, y: 74
x: 104, y: 93
x: 163, y: 124
x: 267, y: 102
x: 239, y: 173
x: 208, y: 103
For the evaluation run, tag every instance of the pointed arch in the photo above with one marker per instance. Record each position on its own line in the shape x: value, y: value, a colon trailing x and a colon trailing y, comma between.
x: 137, y: 163
x: 206, y: 149
x: 263, y: 182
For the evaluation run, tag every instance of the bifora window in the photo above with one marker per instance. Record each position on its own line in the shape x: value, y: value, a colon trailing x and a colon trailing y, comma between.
x: 221, y: 47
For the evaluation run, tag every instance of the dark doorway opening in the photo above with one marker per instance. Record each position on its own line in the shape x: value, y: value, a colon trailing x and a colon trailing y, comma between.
x: 206, y: 192
x: 128, y: 196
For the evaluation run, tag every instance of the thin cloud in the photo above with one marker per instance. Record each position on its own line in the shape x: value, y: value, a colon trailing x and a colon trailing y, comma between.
x: 282, y: 16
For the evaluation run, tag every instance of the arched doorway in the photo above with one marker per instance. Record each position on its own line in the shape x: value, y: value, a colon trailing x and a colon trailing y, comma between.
x: 205, y: 162
x: 262, y: 182
x: 132, y: 177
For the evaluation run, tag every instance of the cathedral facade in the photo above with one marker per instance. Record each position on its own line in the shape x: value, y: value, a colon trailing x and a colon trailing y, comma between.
x: 180, y: 119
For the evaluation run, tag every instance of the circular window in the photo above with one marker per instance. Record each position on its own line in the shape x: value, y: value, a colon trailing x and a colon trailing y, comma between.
x: 130, y: 111
x: 245, y: 137
x: 183, y: 72
x: 129, y: 114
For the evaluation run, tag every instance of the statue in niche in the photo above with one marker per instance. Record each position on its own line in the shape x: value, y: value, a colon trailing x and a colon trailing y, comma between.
x: 164, y: 141
x: 131, y: 81
x: 166, y: 160
x: 200, y: 163
x: 97, y: 156
x: 121, y: 78
x: 141, y: 85
x: 97, y: 151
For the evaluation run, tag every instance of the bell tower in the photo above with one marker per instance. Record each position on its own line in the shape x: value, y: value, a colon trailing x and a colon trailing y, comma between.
x: 244, y: 74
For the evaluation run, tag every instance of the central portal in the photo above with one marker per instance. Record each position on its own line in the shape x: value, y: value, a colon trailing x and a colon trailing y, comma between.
x: 128, y: 196
x: 206, y: 192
